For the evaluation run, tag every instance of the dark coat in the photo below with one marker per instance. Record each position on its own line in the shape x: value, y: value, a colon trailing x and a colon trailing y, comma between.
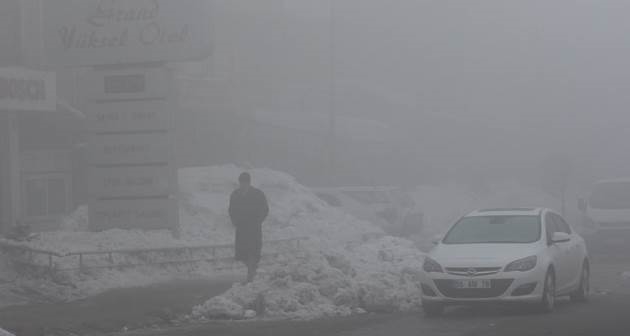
x: 247, y: 211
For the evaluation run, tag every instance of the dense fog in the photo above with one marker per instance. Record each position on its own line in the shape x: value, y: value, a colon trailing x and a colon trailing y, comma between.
x: 425, y: 90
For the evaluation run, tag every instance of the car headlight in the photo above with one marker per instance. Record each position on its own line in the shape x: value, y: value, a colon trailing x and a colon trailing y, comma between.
x: 431, y: 265
x: 522, y: 265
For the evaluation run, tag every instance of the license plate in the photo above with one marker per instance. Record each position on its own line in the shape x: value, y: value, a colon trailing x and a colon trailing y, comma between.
x: 472, y: 284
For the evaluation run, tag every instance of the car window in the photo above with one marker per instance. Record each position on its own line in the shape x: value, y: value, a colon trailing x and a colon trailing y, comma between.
x: 561, y: 225
x: 494, y: 229
x: 550, y: 225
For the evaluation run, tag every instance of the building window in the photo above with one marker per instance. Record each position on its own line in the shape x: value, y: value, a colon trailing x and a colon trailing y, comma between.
x: 46, y: 195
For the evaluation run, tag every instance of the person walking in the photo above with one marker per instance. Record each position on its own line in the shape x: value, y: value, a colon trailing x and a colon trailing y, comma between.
x: 248, y: 209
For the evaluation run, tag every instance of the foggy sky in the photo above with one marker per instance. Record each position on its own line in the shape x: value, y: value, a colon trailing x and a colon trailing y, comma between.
x: 558, y: 67
x: 494, y: 82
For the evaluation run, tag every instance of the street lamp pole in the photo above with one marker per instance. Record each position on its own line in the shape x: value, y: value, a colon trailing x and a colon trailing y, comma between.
x: 331, y: 141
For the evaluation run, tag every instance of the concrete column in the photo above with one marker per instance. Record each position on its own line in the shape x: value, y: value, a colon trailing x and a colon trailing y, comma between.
x: 10, y: 176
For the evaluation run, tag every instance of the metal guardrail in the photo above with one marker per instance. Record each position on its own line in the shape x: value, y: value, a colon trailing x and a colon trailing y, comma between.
x: 29, y: 253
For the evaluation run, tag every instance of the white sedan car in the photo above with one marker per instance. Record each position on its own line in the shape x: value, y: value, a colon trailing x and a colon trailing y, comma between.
x: 506, y: 255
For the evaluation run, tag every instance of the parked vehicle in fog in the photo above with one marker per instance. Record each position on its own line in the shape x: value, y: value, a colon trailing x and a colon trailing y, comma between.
x: 520, y: 255
x: 608, y: 205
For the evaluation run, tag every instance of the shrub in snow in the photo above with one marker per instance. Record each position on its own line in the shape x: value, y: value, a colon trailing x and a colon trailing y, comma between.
x: 250, y: 314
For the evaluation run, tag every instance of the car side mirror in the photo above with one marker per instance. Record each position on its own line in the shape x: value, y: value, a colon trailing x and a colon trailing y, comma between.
x: 436, y: 239
x: 582, y: 204
x: 560, y: 237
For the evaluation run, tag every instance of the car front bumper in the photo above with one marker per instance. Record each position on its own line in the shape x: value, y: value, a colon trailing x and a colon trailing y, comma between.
x: 507, y: 287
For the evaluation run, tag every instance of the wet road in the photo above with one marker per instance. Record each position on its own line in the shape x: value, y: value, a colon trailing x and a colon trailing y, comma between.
x: 607, y: 313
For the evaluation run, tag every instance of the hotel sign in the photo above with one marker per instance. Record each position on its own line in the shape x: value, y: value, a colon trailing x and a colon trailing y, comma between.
x: 100, y: 32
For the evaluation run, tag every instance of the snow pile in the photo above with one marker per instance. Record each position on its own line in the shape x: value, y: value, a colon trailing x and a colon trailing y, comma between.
x: 294, y: 210
x: 7, y: 279
x: 380, y: 275
x: 5, y: 333
x: 204, y: 196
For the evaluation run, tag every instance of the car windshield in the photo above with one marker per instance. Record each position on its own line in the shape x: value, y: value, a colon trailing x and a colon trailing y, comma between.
x: 494, y: 229
x: 611, y: 195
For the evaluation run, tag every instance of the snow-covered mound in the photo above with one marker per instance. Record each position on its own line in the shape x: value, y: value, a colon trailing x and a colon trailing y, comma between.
x: 380, y: 275
x: 203, y: 197
x: 294, y: 210
x: 5, y: 333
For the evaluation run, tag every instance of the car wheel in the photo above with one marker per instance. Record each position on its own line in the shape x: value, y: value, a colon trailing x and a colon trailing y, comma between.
x: 432, y: 309
x: 581, y: 294
x: 548, y: 301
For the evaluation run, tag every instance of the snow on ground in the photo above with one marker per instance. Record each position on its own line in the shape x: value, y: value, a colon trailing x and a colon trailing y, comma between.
x: 7, y: 279
x: 377, y: 275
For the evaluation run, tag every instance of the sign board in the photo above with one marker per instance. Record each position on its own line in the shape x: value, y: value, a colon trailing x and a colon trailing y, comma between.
x: 116, y: 182
x: 25, y: 89
x: 130, y: 149
x: 129, y: 84
x: 130, y: 108
x: 145, y: 214
x: 130, y: 116
x: 98, y: 32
